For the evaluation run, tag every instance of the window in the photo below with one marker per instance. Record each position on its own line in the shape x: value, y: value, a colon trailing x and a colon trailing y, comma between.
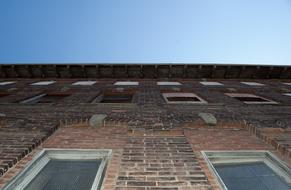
x: 3, y: 94
x: 211, y: 83
x: 166, y: 83
x: 63, y: 169
x: 126, y: 83
x: 249, y: 170
x: 252, y: 83
x: 43, y: 83
x: 114, y: 98
x: 287, y: 94
x: 188, y: 98
x: 44, y: 99
x: 287, y: 83
x: 6, y: 83
x: 250, y: 98
x: 84, y: 83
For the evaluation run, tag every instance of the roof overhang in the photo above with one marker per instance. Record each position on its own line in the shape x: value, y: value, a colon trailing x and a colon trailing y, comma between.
x: 223, y: 71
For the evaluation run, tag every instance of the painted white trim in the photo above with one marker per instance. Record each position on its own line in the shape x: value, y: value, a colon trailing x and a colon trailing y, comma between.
x: 181, y: 94
x: 246, y: 156
x: 253, y: 83
x: 43, y: 83
x: 209, y: 83
x: 126, y: 83
x: 21, y: 180
x: 6, y: 83
x: 84, y: 83
x: 32, y: 99
x: 168, y: 83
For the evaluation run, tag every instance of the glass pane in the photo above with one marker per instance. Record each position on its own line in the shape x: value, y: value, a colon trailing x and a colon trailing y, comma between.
x: 251, y: 176
x: 66, y: 175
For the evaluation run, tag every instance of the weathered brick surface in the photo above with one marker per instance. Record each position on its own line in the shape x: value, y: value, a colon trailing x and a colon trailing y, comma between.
x: 224, y: 139
x: 18, y: 139
x: 204, y: 139
x: 160, y: 163
x: 168, y: 159
x: 23, y: 127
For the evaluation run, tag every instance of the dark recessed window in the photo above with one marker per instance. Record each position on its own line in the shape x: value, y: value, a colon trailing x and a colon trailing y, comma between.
x: 117, y: 98
x: 45, y: 99
x: 66, y: 174
x: 248, y: 176
x: 249, y: 170
x: 180, y: 97
x: 251, y: 98
x: 51, y: 98
x: 3, y: 95
x: 63, y: 169
x: 183, y: 99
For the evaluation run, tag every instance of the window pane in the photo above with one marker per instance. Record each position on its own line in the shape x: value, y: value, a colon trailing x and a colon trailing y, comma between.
x: 251, y: 176
x: 66, y: 175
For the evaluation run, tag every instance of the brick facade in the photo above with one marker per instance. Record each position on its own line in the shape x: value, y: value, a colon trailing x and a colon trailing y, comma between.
x: 155, y: 145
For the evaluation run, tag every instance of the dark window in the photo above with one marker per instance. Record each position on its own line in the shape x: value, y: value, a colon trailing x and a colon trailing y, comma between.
x: 3, y: 95
x: 51, y: 98
x: 251, y: 99
x: 66, y: 175
x: 250, y: 176
x: 45, y: 99
x: 183, y: 99
x: 117, y: 98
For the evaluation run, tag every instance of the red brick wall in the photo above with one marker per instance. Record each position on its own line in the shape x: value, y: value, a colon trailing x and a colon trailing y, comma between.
x: 168, y: 159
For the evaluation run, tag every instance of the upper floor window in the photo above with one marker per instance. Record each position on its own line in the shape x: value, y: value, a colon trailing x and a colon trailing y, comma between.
x: 7, y: 83
x: 84, y: 83
x: 167, y: 83
x: 44, y: 99
x: 117, y: 95
x: 179, y: 97
x: 3, y: 94
x: 43, y: 83
x: 126, y: 83
x: 208, y: 83
x: 251, y: 98
x: 247, y: 170
x: 63, y: 169
x: 253, y: 83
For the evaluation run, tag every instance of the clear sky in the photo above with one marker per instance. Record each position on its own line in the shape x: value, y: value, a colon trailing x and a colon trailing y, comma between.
x: 145, y: 31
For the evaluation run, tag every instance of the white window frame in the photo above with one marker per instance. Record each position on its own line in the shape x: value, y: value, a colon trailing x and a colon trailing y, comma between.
x: 211, y: 83
x: 27, y: 101
x: 235, y: 95
x: 168, y: 83
x: 43, y: 83
x: 181, y: 94
x: 21, y: 180
x: 126, y: 83
x: 253, y: 83
x: 246, y: 156
x: 84, y: 83
x: 7, y: 83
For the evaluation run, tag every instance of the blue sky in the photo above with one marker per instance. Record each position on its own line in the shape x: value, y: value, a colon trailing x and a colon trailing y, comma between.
x: 145, y: 31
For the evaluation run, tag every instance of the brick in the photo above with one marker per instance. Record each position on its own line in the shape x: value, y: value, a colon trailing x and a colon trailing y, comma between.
x: 152, y: 141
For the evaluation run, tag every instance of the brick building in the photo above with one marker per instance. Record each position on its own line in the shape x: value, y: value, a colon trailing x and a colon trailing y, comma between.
x: 160, y: 127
